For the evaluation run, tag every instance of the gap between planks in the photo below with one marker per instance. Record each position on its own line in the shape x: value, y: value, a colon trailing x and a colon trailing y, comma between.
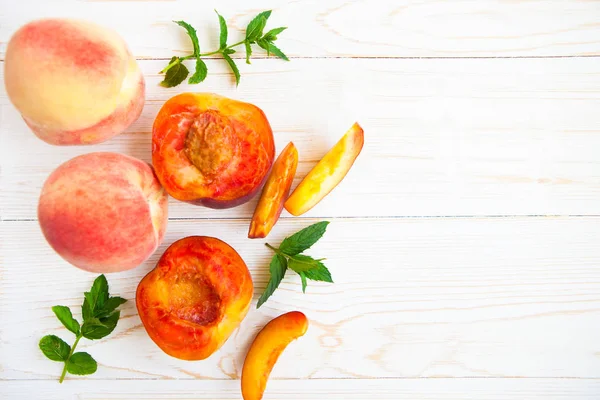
x: 366, y: 217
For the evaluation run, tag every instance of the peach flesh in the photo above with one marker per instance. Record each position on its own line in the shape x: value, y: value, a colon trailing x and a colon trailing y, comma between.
x: 266, y: 349
x: 196, y: 296
x: 210, y: 150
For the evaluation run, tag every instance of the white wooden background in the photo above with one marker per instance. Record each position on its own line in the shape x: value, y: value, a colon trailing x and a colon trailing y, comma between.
x: 465, y: 242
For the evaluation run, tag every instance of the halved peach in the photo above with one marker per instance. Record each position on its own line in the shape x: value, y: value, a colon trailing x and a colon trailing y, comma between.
x: 266, y: 349
x: 210, y: 150
x: 196, y: 296
x: 328, y: 173
x: 274, y: 193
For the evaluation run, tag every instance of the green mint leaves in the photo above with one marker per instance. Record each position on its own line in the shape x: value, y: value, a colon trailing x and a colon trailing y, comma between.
x: 176, y: 72
x: 100, y: 317
x: 55, y: 348
x: 288, y: 256
x: 304, y: 239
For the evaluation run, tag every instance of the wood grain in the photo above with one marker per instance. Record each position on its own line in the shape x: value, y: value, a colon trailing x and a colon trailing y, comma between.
x: 316, y: 389
x: 450, y: 137
x: 342, y: 28
x: 414, y: 297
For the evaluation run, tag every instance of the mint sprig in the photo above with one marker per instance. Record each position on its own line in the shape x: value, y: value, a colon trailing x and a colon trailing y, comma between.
x: 288, y: 256
x: 100, y: 317
x: 176, y: 72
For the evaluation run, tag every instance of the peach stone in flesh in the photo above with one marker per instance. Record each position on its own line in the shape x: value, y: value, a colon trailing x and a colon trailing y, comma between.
x: 211, y: 150
x: 195, y: 298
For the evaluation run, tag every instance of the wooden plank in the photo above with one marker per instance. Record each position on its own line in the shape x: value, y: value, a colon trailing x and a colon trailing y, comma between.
x: 414, y: 297
x: 342, y: 28
x: 316, y: 389
x: 450, y: 137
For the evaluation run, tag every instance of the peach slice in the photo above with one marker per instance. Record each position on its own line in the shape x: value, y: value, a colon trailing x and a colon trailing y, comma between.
x: 274, y: 193
x: 266, y: 349
x: 196, y: 296
x: 211, y: 150
x: 327, y: 174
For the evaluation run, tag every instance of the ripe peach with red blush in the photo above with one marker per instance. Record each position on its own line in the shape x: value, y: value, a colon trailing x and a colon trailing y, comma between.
x: 74, y: 82
x: 103, y: 212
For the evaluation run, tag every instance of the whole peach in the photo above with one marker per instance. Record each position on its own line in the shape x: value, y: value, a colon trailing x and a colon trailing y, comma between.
x: 103, y: 212
x: 74, y: 82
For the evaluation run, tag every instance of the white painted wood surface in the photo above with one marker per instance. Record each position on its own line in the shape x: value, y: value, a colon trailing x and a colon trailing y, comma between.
x: 464, y: 243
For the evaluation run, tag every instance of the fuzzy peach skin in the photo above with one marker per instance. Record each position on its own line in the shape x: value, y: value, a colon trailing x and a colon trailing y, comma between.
x: 74, y: 82
x: 211, y: 150
x: 328, y: 172
x: 103, y: 212
x: 274, y: 193
x: 266, y: 349
x: 196, y: 296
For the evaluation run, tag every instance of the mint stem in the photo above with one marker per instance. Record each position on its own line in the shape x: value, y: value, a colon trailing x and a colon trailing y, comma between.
x: 180, y: 59
x: 275, y: 250
x: 64, y: 371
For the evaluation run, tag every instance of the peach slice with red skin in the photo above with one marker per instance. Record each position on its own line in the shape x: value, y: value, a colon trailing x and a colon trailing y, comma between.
x: 274, y: 193
x: 266, y: 349
x: 211, y: 150
x: 328, y: 173
x: 196, y: 296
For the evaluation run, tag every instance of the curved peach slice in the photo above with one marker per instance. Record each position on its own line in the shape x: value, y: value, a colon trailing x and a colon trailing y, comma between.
x: 274, y: 193
x: 328, y: 173
x: 265, y: 350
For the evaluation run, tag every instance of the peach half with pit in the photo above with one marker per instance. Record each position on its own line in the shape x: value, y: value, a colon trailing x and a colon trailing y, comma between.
x: 196, y: 296
x: 211, y: 150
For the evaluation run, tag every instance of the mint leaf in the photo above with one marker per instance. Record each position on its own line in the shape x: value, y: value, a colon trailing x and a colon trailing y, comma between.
x: 277, y: 269
x: 192, y: 34
x: 234, y: 68
x: 275, y: 50
x: 110, y: 306
x: 300, y: 263
x: 264, y: 44
x: 272, y: 49
x: 54, y: 348
x: 229, y: 51
x: 255, y: 28
x: 321, y: 273
x: 175, y: 75
x: 97, y: 328
x: 64, y: 315
x: 303, y: 278
x: 98, y: 294
x: 271, y: 36
x: 100, y: 317
x: 223, y: 31
x: 201, y: 72
x: 304, y: 239
x: 81, y: 364
x: 248, y: 52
